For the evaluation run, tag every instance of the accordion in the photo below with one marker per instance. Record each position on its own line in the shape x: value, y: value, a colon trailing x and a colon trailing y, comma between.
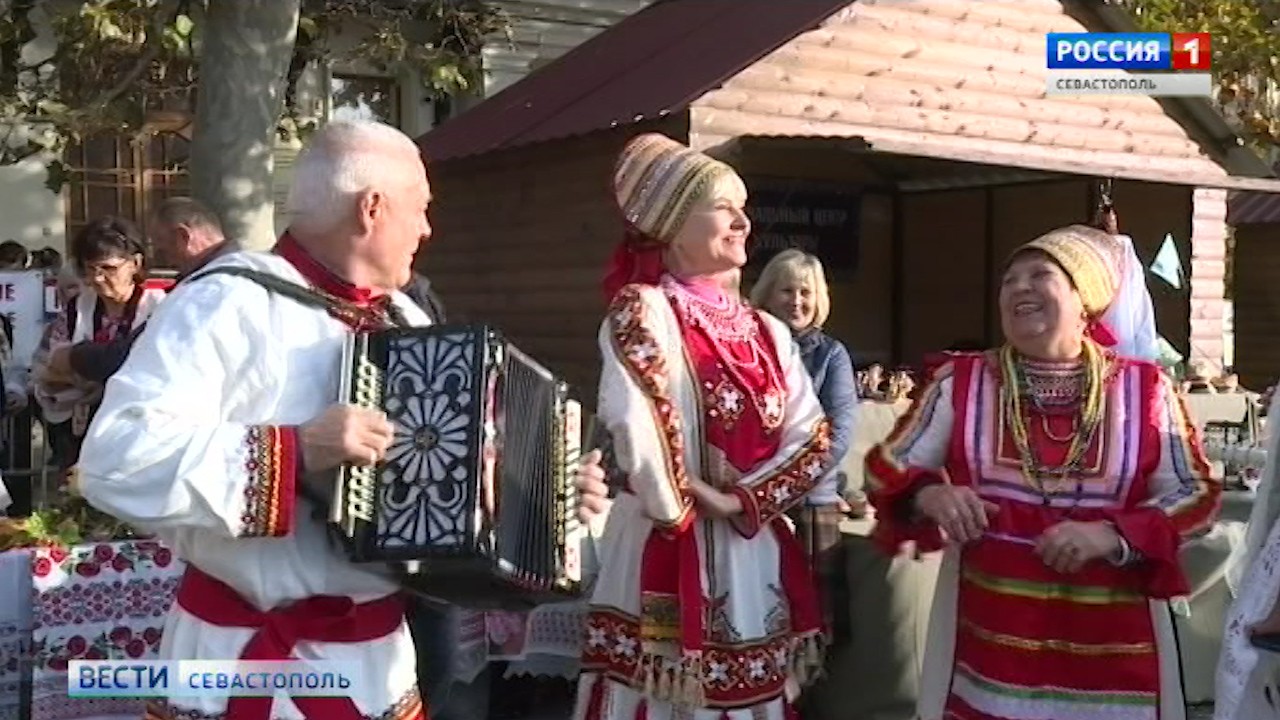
x: 475, y: 502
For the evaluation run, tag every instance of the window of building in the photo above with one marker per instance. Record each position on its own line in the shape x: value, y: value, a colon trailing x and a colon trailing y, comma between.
x: 364, y: 97
x: 113, y: 175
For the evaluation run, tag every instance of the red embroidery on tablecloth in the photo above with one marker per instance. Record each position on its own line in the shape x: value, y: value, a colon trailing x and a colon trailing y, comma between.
x: 95, y: 602
x: 121, y: 643
x: 102, y: 602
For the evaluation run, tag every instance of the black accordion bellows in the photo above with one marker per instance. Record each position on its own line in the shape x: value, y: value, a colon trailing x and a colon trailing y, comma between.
x: 475, y: 501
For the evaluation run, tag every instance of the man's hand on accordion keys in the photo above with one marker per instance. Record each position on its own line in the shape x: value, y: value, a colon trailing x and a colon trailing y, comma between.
x: 344, y: 434
x: 594, y: 498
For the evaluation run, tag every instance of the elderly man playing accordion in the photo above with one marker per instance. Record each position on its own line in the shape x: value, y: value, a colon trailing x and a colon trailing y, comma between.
x: 220, y: 424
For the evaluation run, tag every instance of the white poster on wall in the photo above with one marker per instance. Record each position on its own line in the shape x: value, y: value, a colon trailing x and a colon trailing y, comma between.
x: 22, y: 299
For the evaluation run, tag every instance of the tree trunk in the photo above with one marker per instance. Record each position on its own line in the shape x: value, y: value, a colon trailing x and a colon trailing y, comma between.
x: 246, y: 49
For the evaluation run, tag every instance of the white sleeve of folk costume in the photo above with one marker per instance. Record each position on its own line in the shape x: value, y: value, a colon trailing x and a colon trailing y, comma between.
x: 919, y: 441
x: 1183, y: 485
x: 637, y: 408
x: 161, y: 453
x: 803, y: 455
x: 913, y: 456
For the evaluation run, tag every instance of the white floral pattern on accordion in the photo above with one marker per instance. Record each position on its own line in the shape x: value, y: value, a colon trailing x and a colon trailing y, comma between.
x: 430, y: 388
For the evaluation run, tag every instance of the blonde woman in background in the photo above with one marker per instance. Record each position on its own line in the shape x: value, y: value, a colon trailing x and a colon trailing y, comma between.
x: 793, y: 288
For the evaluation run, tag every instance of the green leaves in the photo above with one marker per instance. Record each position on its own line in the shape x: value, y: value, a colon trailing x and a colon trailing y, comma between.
x: 183, y: 25
x: 1246, y: 55
x: 67, y: 522
x: 116, y: 60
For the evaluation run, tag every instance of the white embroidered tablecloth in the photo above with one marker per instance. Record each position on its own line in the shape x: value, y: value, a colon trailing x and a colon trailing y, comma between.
x: 15, y: 630
x: 544, y: 642
x: 473, y: 646
x: 96, y: 602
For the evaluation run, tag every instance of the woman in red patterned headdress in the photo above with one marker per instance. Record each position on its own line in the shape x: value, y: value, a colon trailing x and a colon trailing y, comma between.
x: 704, y: 606
x: 1062, y: 480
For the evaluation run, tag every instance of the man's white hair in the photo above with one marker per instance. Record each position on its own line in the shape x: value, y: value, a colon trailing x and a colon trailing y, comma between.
x: 342, y: 160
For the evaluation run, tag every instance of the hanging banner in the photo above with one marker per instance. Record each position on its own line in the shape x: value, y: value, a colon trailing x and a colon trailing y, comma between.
x: 819, y: 218
x: 22, y: 300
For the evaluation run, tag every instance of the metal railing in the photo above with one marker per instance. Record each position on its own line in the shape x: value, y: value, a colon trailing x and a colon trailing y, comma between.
x: 25, y: 461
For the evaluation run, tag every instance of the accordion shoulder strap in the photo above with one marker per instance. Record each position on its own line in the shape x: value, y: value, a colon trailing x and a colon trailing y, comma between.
x: 276, y: 284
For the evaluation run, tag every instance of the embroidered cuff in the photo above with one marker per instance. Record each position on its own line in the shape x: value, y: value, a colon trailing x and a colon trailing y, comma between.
x: 748, y: 522
x: 273, y: 467
x: 907, y: 510
x: 772, y: 497
x: 898, y: 522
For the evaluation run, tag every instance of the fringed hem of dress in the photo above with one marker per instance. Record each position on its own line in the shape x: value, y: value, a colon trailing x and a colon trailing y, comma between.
x: 722, y: 677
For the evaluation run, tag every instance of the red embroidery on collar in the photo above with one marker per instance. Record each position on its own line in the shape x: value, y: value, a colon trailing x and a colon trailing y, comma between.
x: 322, y: 277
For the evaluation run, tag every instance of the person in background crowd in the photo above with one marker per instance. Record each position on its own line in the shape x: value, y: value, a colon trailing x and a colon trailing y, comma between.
x: 219, y: 434
x: 14, y: 256
x: 704, y: 604
x: 1062, y: 480
x: 15, y: 502
x: 108, y: 255
x: 1245, y: 687
x: 11, y: 379
x: 185, y: 235
x: 56, y: 433
x: 46, y: 259
x: 69, y: 285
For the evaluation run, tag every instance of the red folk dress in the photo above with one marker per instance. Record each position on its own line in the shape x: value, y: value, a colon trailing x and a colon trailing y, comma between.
x: 691, y: 616
x: 1011, y: 637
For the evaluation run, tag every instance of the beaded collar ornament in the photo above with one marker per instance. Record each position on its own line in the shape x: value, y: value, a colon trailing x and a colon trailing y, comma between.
x: 728, y: 321
x: 1079, y: 390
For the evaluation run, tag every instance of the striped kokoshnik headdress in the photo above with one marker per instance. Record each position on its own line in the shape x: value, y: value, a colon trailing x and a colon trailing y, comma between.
x: 656, y: 182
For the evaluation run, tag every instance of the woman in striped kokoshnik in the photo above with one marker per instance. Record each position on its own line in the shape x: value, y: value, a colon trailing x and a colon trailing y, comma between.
x: 1060, y: 479
x: 704, y: 607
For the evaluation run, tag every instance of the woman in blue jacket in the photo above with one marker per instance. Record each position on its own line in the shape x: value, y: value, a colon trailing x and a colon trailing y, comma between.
x: 793, y: 287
